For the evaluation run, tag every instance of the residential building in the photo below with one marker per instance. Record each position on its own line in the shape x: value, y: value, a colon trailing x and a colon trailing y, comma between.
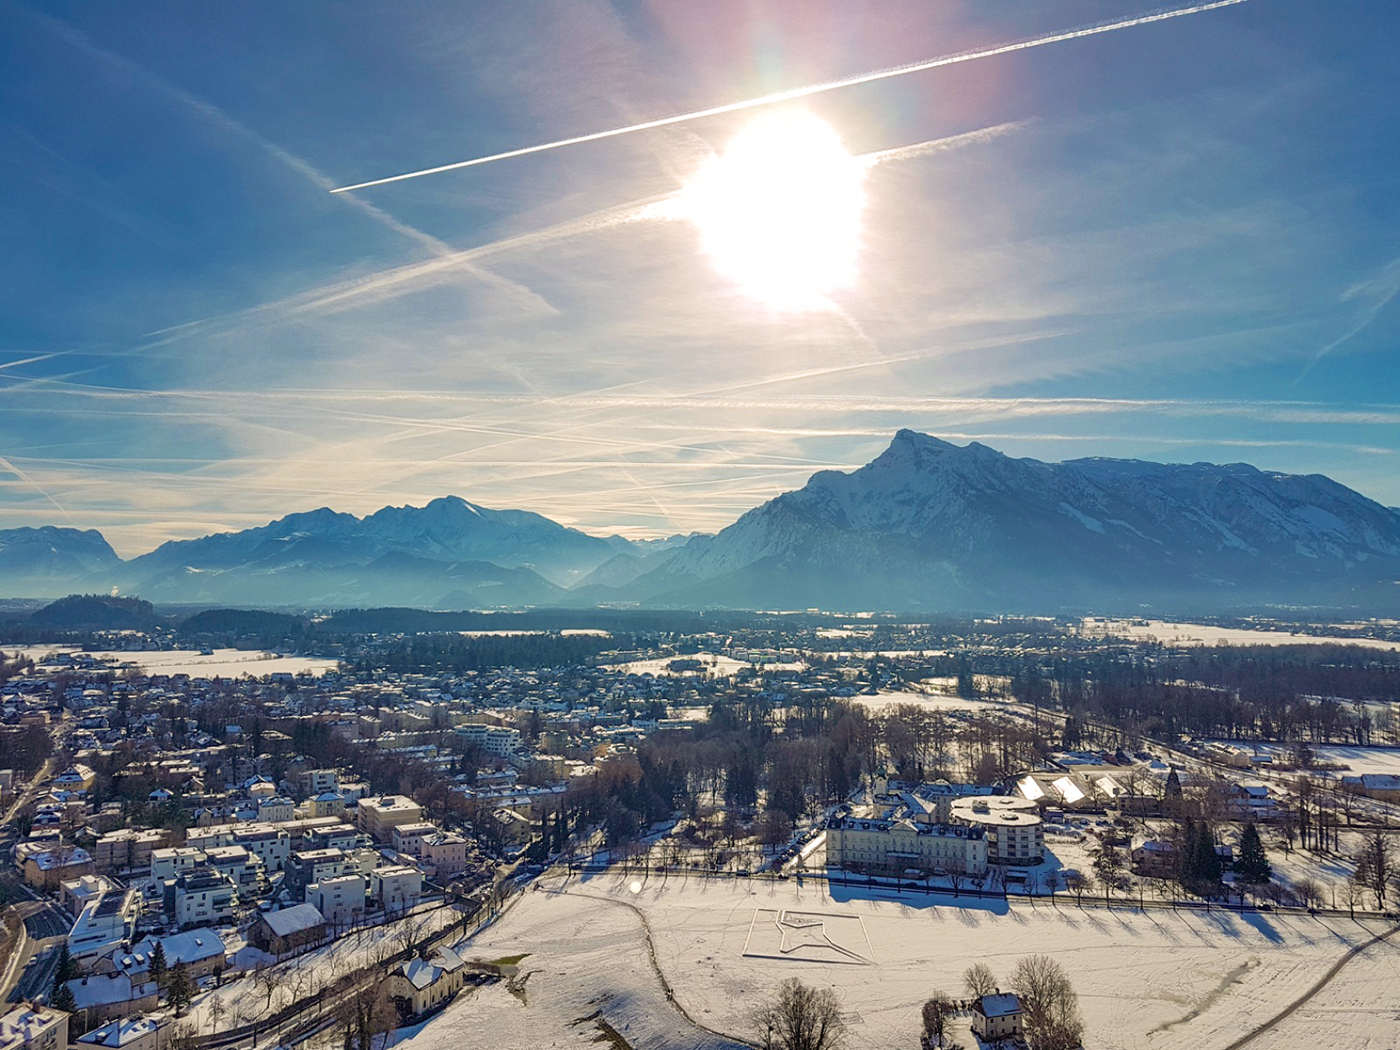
x: 128, y: 849
x: 76, y: 778
x: 203, y: 897
x: 288, y: 929
x: 105, y: 924
x: 421, y: 983
x: 104, y: 996
x: 276, y: 809
x: 444, y: 854
x: 270, y: 844
x: 501, y: 741
x: 244, y: 869
x: 396, y: 887
x: 997, y: 1018
x: 326, y: 804
x: 380, y: 815
x: 1154, y: 858
x: 319, y: 781
x: 307, y: 866
x: 409, y: 838
x: 34, y: 1028
x: 333, y: 836
x: 169, y: 863
x: 48, y: 869
x: 340, y: 898
x: 201, y: 951
x: 128, y: 1033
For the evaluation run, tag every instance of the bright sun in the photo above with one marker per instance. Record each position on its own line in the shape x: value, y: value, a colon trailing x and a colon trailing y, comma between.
x: 779, y: 210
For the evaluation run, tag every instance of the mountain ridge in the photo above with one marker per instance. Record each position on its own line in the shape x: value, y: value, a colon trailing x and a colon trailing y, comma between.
x: 926, y: 525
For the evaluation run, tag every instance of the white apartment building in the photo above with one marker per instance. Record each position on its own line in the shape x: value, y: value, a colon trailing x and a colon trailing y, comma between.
x: 169, y: 863
x: 36, y: 1028
x: 340, y: 898
x: 396, y: 887
x: 105, y: 924
x: 319, y: 781
x: 271, y: 844
x: 493, y: 740
x: 204, y: 897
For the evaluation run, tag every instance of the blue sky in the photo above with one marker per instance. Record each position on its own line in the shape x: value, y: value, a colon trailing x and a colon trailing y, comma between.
x: 1176, y: 242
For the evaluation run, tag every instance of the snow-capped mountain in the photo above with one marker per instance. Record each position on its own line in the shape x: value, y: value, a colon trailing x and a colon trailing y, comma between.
x: 446, y: 529
x: 32, y: 560
x: 932, y: 525
x: 927, y: 525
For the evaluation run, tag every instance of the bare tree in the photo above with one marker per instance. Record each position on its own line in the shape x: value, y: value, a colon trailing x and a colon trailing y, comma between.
x: 1375, y: 866
x: 978, y: 980
x: 1079, y: 883
x: 802, y: 1018
x: 268, y: 980
x: 937, y: 1011
x: 1309, y: 892
x: 216, y: 1011
x: 1048, y: 1003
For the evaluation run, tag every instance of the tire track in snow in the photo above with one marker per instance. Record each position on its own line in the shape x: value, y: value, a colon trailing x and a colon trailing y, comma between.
x: 1307, y: 996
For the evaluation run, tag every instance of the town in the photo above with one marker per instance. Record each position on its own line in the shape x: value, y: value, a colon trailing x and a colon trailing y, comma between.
x: 198, y: 859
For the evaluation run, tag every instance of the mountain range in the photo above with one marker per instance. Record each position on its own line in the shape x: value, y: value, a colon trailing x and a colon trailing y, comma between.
x: 926, y: 526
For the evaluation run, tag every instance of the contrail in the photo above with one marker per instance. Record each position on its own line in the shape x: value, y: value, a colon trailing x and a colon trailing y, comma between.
x: 815, y: 89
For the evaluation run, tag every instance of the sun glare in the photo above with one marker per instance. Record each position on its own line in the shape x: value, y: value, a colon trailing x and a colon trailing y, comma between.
x: 779, y: 210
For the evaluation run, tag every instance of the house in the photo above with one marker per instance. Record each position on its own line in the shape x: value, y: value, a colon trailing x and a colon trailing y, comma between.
x: 104, y: 996
x: 421, y: 983
x: 46, y: 870
x: 1384, y: 786
x: 997, y: 1017
x: 34, y: 1028
x: 76, y: 778
x: 276, y: 810
x: 1154, y: 858
x: 130, y: 1033
x: 444, y: 854
x: 326, y: 804
x: 289, y: 929
x: 202, y: 952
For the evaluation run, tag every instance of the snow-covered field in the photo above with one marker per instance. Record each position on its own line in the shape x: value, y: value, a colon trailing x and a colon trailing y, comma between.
x: 1200, y: 634
x: 932, y: 702
x: 223, y: 663
x: 1159, y: 979
x: 710, y: 664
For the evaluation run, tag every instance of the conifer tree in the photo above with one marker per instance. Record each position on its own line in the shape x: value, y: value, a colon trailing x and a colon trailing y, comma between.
x: 1252, y: 865
x: 158, y: 966
x: 181, y: 990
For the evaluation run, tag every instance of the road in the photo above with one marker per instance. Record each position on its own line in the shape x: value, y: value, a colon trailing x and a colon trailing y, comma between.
x: 45, y: 926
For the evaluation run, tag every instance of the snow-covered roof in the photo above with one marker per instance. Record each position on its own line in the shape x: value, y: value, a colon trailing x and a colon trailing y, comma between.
x: 119, y: 1033
x: 288, y: 921
x: 1003, y: 1004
